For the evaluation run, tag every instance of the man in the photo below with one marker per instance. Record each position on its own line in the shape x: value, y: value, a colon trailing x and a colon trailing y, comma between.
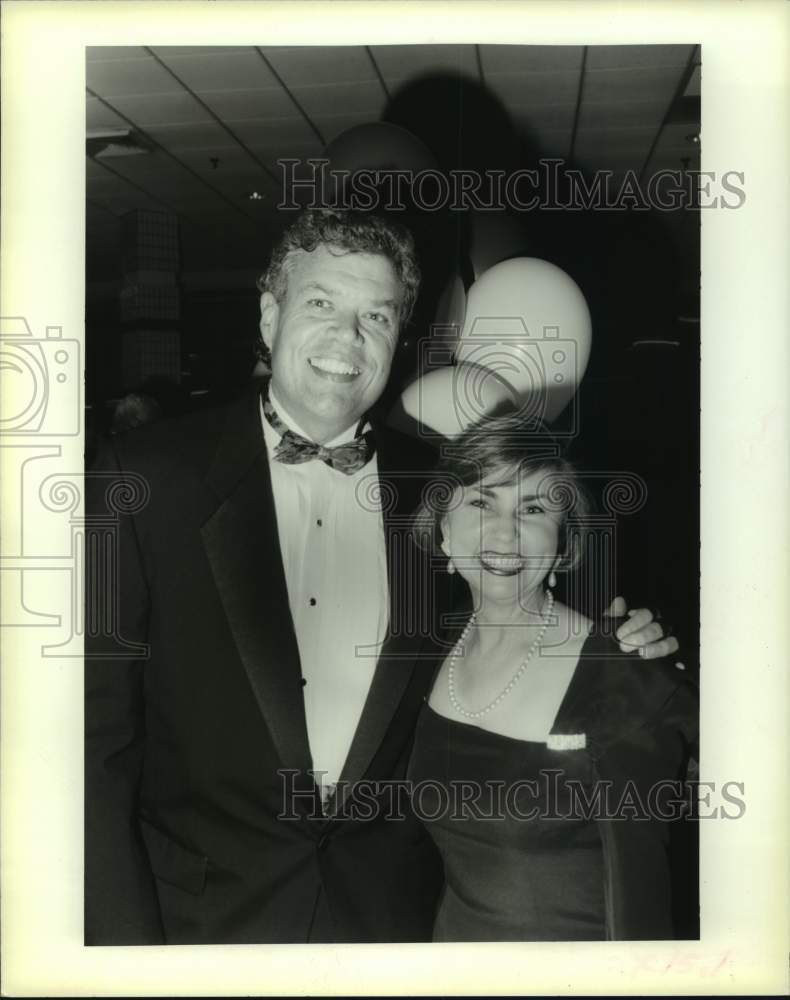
x: 276, y: 599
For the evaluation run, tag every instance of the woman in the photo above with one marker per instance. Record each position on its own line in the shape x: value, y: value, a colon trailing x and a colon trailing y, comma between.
x: 543, y: 761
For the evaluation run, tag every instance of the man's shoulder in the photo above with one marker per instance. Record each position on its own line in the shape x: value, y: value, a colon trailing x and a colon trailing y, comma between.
x: 404, y: 453
x: 186, y: 439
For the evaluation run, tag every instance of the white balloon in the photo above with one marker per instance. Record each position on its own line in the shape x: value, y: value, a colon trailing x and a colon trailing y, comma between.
x: 447, y: 400
x: 451, y: 307
x: 527, y: 321
x: 446, y: 327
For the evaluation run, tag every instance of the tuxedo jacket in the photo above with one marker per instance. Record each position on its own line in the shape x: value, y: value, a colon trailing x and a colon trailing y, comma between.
x: 203, y: 823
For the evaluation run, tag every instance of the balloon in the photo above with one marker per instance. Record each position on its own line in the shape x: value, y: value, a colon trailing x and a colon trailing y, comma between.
x: 447, y: 400
x: 378, y: 146
x: 438, y: 351
x: 528, y: 322
x: 494, y: 236
x: 451, y: 307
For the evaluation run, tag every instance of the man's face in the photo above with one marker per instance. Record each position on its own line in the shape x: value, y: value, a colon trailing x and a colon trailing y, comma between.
x: 332, y: 337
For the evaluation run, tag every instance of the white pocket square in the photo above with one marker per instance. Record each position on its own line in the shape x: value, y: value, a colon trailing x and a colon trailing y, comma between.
x: 566, y: 741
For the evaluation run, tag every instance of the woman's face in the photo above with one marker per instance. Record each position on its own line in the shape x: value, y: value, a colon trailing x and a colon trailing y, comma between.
x: 502, y: 536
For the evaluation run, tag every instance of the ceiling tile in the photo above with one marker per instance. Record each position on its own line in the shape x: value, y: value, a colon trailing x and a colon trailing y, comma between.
x: 276, y: 134
x: 534, y: 88
x: 631, y: 84
x: 622, y: 114
x: 229, y: 157
x: 240, y: 70
x: 286, y: 173
x: 550, y: 116
x: 400, y: 62
x: 114, y: 53
x: 243, y: 105
x: 167, y: 51
x: 303, y: 65
x: 332, y: 126
x: 200, y: 135
x: 694, y: 84
x: 98, y: 115
x: 530, y: 58
x: 640, y: 57
x: 101, y: 186
x: 130, y: 78
x: 161, y: 109
x: 614, y: 141
x: 342, y: 98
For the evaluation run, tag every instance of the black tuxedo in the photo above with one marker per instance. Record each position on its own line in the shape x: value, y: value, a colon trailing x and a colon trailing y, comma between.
x: 183, y: 745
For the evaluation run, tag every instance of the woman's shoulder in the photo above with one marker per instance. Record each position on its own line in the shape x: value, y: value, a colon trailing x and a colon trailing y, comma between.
x: 626, y: 682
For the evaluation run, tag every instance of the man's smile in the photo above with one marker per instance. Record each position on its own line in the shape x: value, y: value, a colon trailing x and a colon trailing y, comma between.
x: 333, y: 369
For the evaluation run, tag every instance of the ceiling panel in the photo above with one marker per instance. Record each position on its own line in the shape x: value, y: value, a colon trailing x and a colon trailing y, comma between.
x: 200, y: 135
x: 657, y: 84
x: 639, y: 57
x: 114, y: 53
x: 299, y: 66
x: 228, y: 156
x: 161, y: 109
x: 276, y: 134
x: 627, y: 92
x: 98, y: 115
x: 622, y: 114
x: 282, y: 174
x: 95, y: 168
x: 242, y: 105
x: 331, y: 126
x: 534, y: 89
x: 130, y: 77
x: 530, y: 58
x: 244, y: 70
x: 228, y: 51
x: 603, y: 144
x: 400, y: 62
x: 342, y: 98
x: 157, y: 170
x: 694, y: 84
x: 550, y: 116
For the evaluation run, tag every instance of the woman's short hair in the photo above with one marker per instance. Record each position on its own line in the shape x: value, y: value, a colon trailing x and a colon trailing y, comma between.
x: 513, y: 447
x: 342, y: 231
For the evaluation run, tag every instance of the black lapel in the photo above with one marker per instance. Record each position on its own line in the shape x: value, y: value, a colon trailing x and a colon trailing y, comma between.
x: 402, y: 474
x: 241, y: 541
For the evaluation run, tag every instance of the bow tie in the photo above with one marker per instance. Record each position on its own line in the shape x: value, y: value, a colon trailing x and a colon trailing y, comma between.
x: 294, y: 449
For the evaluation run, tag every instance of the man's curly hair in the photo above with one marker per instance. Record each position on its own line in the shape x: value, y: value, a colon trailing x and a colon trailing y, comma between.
x: 346, y: 232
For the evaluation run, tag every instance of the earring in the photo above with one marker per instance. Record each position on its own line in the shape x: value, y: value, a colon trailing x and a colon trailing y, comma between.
x: 450, y: 566
x: 552, y: 581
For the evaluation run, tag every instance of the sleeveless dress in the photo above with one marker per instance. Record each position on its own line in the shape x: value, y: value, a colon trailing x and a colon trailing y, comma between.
x: 523, y: 859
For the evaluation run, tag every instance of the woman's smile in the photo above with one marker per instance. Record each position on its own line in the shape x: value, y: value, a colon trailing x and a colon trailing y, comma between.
x: 502, y: 563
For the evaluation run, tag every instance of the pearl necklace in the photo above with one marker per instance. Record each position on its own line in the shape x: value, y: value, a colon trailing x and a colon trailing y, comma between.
x: 545, y: 614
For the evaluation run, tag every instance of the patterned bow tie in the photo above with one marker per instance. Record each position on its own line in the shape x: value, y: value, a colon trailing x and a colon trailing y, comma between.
x: 294, y: 449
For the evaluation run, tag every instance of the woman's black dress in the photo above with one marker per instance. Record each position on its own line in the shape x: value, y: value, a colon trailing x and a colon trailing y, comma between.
x: 560, y: 841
